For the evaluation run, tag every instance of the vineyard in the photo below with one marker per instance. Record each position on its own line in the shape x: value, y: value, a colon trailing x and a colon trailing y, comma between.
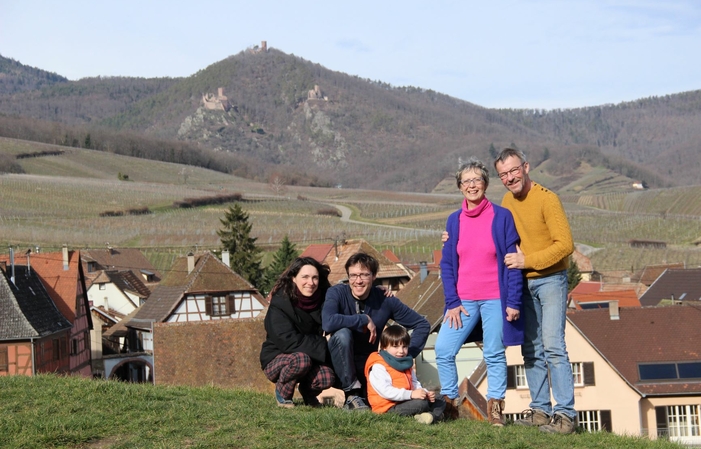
x: 62, y: 199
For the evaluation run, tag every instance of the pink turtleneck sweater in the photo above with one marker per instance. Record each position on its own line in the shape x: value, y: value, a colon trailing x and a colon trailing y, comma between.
x: 477, y: 255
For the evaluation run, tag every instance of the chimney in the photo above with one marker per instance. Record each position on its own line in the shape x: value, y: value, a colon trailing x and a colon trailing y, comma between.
x: 190, y: 262
x: 65, y: 257
x: 29, y: 266
x: 12, y: 264
x: 423, y: 270
x: 225, y: 258
x: 613, y: 311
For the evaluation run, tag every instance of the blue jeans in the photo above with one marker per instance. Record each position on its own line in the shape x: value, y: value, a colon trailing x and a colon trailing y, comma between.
x: 450, y: 340
x: 347, y: 364
x: 544, y: 349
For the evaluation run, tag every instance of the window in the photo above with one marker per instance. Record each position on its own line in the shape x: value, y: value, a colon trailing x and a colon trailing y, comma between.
x: 678, y: 421
x: 583, y: 373
x: 92, y: 266
x: 595, y: 420
x: 670, y: 371
x: 102, y: 286
x: 4, y: 361
x: 74, y: 346
x: 521, y: 381
x: 219, y: 305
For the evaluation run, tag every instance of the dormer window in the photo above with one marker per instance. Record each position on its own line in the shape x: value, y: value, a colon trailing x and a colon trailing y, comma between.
x: 92, y: 267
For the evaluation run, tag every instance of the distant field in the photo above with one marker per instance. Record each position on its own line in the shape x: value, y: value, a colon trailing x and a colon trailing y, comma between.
x: 61, y: 198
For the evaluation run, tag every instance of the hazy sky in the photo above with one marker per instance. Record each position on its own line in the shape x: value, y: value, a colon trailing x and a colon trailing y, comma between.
x: 499, y: 53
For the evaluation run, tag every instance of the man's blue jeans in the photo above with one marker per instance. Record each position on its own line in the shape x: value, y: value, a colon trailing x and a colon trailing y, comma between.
x: 544, y: 349
x: 347, y: 365
x: 450, y: 340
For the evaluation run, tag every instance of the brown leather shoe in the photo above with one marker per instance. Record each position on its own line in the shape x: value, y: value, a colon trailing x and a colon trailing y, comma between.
x: 495, y: 412
x: 451, y: 411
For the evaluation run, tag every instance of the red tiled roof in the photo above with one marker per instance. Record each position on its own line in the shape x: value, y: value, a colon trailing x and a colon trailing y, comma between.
x: 586, y: 287
x: 625, y: 298
x: 318, y: 251
x: 120, y: 259
x: 388, y: 269
x: 650, y: 273
x: 645, y: 335
x: 425, y: 297
x: 60, y: 284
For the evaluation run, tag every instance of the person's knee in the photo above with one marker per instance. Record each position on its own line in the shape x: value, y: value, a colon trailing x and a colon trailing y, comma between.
x: 341, y: 338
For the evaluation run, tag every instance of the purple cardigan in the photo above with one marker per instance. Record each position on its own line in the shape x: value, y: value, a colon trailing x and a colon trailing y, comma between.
x: 510, y: 280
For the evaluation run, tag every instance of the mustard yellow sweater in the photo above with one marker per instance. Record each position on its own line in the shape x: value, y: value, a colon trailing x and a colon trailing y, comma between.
x: 546, y: 238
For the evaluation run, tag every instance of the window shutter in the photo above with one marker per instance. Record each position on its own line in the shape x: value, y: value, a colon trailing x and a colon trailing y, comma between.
x: 510, y: 377
x: 588, y: 368
x: 661, y: 415
x: 208, y: 305
x: 605, y: 420
x: 230, y: 304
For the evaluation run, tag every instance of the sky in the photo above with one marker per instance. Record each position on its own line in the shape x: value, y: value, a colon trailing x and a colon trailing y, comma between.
x: 539, y: 54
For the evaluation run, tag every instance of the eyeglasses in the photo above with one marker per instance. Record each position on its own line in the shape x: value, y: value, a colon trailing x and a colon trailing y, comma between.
x: 471, y: 181
x: 356, y: 276
x: 513, y: 172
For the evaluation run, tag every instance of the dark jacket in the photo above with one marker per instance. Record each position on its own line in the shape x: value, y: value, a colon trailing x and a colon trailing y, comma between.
x: 291, y: 330
x: 510, y: 280
x: 339, y: 311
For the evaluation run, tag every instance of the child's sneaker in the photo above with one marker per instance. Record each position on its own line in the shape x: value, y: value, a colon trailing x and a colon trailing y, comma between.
x: 424, y: 418
x: 354, y: 402
x: 532, y: 417
x: 282, y: 402
x: 560, y: 424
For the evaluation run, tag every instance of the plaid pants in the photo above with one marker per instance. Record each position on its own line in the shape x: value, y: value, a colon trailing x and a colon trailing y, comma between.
x: 286, y: 370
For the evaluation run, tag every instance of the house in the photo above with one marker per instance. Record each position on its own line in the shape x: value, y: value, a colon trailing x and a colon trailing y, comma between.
x: 390, y: 274
x: 118, y: 259
x: 62, y: 276
x: 118, y: 291
x: 674, y: 286
x: 34, y: 335
x: 631, y: 374
x: 584, y: 265
x: 197, y: 288
x: 589, y: 295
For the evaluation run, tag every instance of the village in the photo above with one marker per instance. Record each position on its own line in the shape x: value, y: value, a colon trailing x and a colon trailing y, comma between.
x: 108, y: 313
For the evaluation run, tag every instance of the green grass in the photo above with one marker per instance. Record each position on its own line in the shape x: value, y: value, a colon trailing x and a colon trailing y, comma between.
x: 49, y: 411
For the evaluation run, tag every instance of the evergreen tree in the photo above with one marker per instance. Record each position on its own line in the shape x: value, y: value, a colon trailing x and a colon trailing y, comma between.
x: 282, y: 259
x: 573, y: 275
x: 235, y: 236
x: 493, y: 153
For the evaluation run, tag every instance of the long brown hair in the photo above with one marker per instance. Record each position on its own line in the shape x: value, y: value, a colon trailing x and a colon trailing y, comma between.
x: 285, y: 281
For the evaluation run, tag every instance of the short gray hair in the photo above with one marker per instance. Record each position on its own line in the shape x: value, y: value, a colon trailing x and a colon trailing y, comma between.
x: 510, y: 152
x: 473, y: 164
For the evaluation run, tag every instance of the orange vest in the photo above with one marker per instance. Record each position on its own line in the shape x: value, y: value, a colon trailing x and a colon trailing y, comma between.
x: 400, y: 379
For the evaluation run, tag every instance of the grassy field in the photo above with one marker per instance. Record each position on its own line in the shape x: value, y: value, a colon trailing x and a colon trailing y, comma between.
x: 61, y: 198
x: 49, y: 411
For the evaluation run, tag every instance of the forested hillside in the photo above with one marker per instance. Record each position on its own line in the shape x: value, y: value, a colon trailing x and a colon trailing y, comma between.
x: 288, y: 117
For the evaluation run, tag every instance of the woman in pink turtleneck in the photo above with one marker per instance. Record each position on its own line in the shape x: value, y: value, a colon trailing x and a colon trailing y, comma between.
x: 482, y: 296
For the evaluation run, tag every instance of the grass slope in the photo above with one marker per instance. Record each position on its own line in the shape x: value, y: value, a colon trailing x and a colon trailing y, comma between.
x: 50, y: 411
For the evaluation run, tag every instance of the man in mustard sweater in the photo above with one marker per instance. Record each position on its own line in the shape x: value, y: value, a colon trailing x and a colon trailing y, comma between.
x: 546, y: 243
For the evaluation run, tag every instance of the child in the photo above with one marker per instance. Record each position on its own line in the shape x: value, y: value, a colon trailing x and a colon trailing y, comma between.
x: 392, y: 383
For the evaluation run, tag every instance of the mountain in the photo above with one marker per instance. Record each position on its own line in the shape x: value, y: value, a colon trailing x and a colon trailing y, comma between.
x: 17, y: 77
x: 279, y: 114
